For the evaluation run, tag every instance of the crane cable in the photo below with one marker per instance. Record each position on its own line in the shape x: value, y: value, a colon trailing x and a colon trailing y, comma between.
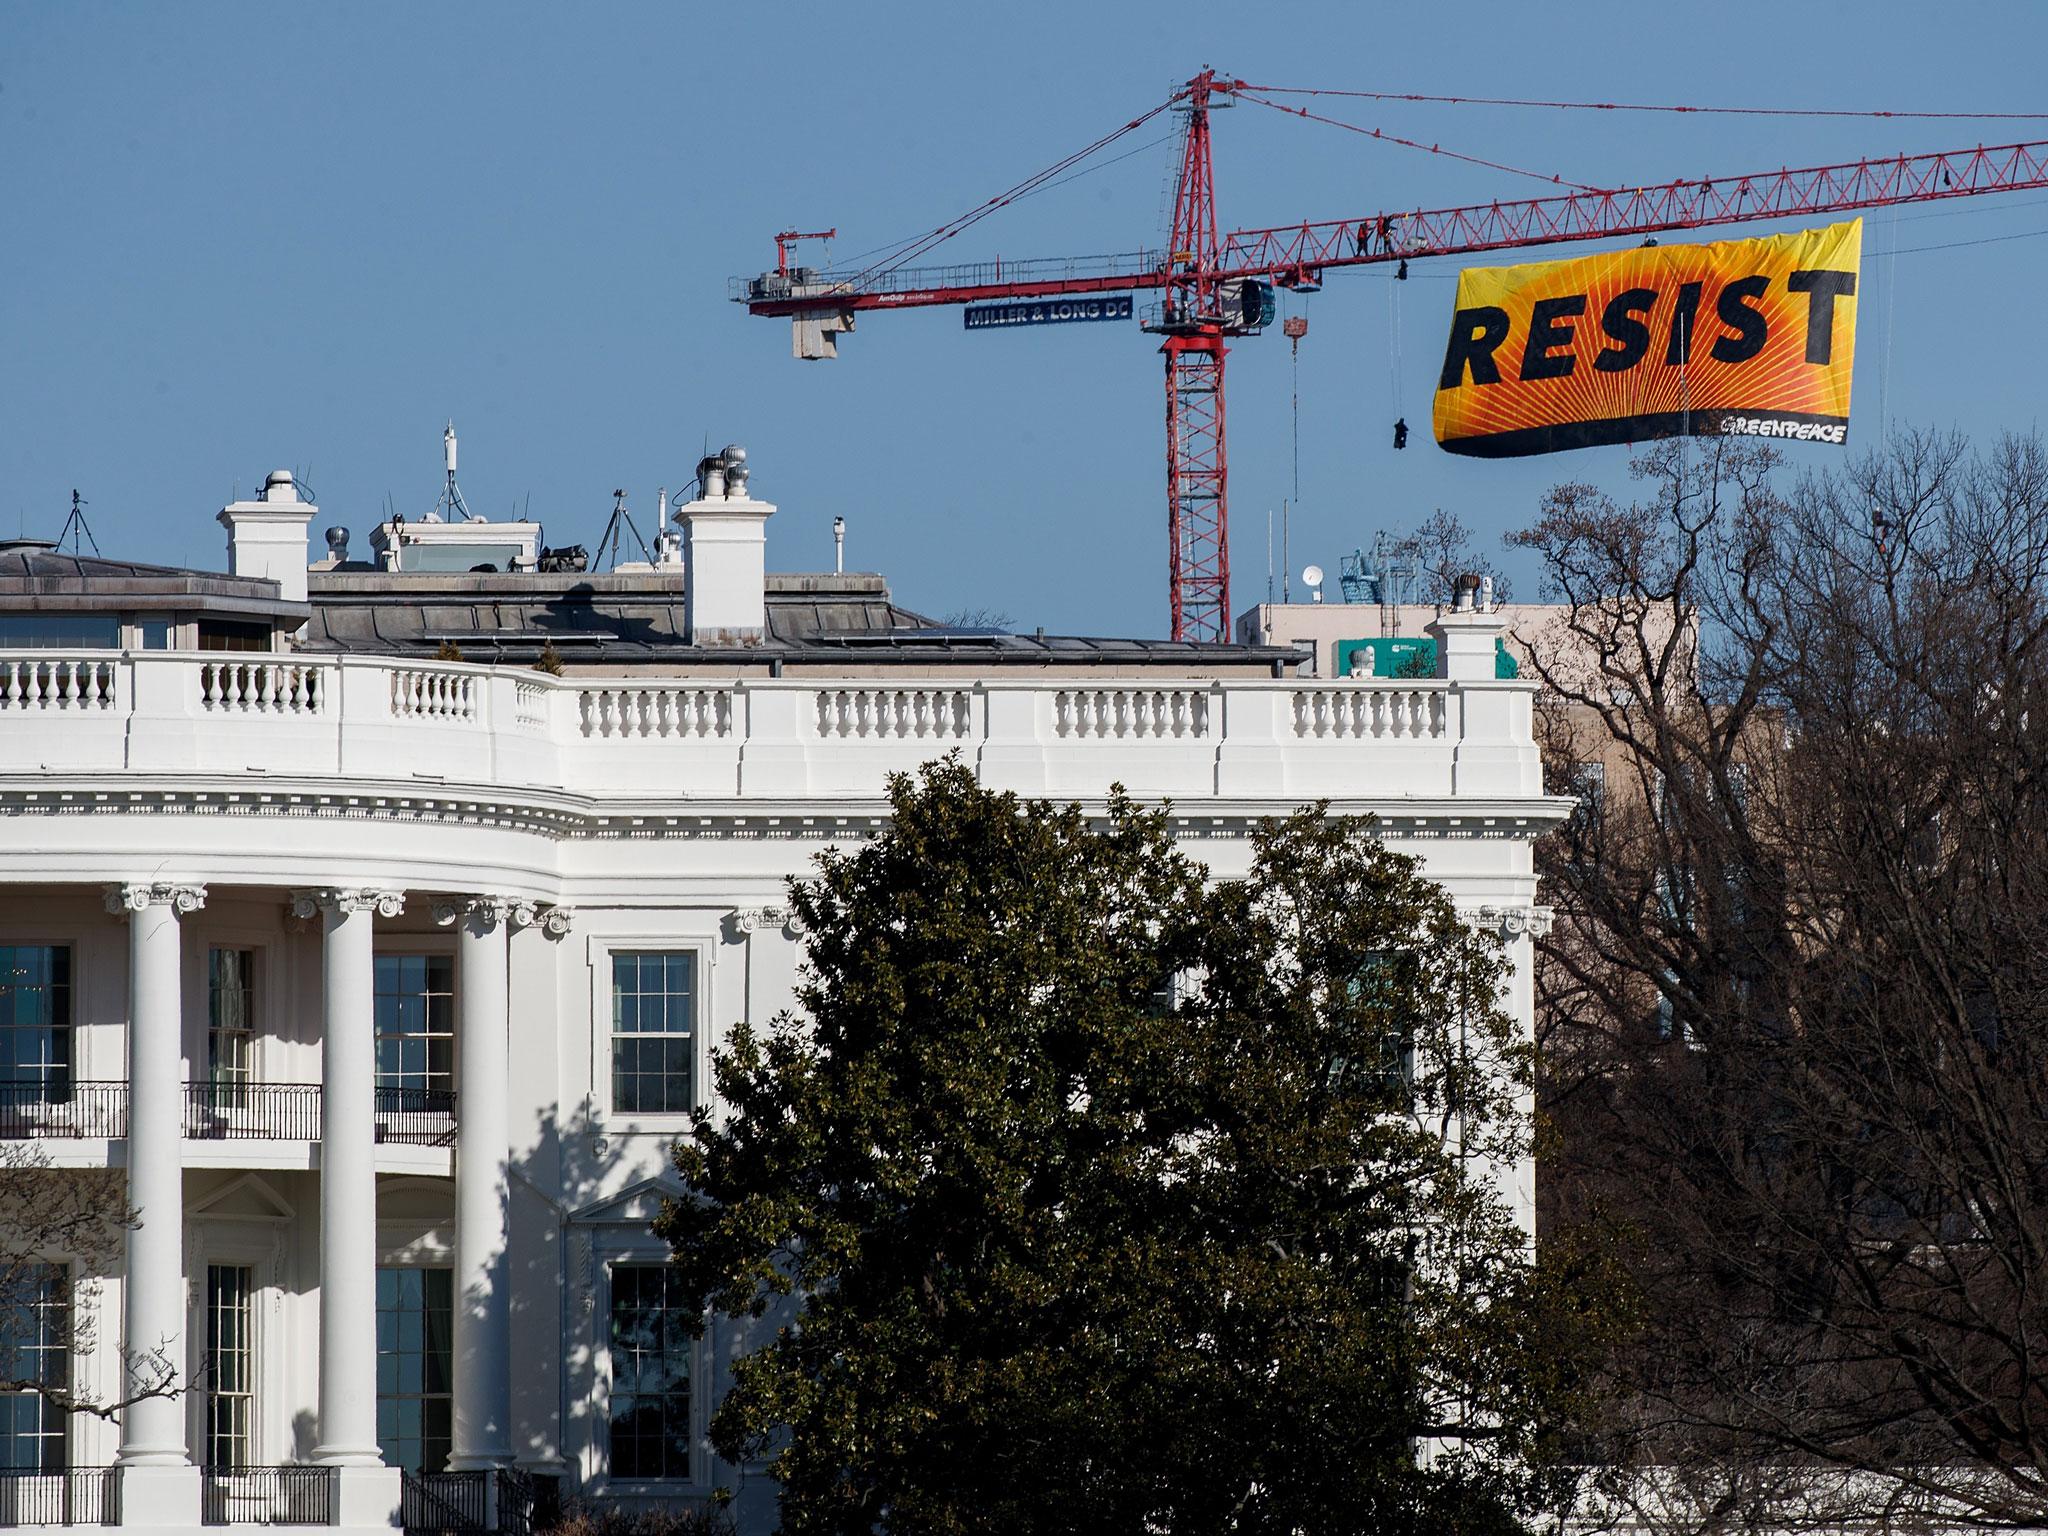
x: 982, y: 210
x: 1074, y: 175
x: 1245, y: 94
x: 1626, y: 106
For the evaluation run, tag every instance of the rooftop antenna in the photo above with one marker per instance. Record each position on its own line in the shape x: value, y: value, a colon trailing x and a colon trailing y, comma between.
x: 76, y: 528
x: 451, y: 507
x: 611, y: 548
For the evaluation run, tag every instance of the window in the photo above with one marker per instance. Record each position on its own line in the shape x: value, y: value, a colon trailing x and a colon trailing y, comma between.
x: 650, y: 1361
x: 35, y: 1024
x: 415, y: 1029
x: 415, y: 1363
x: 653, y: 1032
x: 59, y: 632
x: 1382, y: 989
x: 1587, y: 783
x: 227, y: 635
x: 155, y: 634
x: 35, y: 1345
x: 230, y: 1024
x: 230, y: 1364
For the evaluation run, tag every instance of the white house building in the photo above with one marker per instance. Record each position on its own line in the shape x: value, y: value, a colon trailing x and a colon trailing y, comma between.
x: 389, y: 980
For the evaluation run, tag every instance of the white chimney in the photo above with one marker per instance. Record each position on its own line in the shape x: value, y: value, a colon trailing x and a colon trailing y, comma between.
x: 267, y: 536
x: 725, y: 554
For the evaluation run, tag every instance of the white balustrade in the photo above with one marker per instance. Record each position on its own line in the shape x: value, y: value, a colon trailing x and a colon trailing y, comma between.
x: 263, y: 687
x: 1350, y: 712
x: 57, y: 682
x: 758, y: 738
x: 895, y: 714
x: 622, y: 711
x: 1133, y: 714
x: 420, y: 694
x: 530, y: 706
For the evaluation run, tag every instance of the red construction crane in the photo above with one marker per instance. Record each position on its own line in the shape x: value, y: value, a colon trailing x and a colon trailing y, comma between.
x: 1217, y: 287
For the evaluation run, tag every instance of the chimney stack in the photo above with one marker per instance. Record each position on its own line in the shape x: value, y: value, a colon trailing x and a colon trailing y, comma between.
x: 725, y: 554
x: 267, y: 536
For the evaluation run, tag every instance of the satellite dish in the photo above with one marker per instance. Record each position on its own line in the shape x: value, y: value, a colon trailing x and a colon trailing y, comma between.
x: 1312, y: 575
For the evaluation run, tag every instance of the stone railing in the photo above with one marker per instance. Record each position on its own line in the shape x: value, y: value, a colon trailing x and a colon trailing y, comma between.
x: 323, y: 718
x: 628, y: 710
x: 895, y: 714
x: 39, y: 681
x: 272, y: 686
x: 1132, y: 714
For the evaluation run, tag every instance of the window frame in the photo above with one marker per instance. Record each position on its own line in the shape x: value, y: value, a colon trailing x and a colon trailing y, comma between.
x: 397, y: 949
x: 424, y: 1266
x: 608, y: 1383
x: 693, y: 934
x: 111, y: 624
x: 691, y: 1032
x: 72, y: 1071
x: 64, y: 1275
x: 616, y: 1248
x: 247, y: 1395
x: 233, y: 1093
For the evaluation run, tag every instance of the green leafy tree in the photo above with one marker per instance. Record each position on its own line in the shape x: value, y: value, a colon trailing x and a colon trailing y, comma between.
x: 1062, y: 1254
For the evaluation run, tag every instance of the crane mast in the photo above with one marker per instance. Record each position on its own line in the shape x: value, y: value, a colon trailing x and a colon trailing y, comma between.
x: 1197, y: 463
x: 1213, y: 287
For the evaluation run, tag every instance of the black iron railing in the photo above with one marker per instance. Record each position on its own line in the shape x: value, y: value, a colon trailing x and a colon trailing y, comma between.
x: 421, y: 1116
x: 266, y: 1496
x: 498, y: 1503
x: 237, y: 1111
x: 217, y: 1111
x: 87, y: 1496
x: 59, y: 1107
x: 455, y: 1502
x: 516, y: 1499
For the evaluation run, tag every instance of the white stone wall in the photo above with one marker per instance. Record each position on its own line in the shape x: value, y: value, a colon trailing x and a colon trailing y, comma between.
x: 609, y: 816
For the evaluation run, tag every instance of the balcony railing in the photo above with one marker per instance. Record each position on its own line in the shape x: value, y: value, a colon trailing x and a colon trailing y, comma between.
x: 219, y: 1111
x: 434, y: 726
x: 235, y: 1111
x: 422, y: 1117
x: 83, y: 1496
x: 57, y: 1109
x: 266, y: 1496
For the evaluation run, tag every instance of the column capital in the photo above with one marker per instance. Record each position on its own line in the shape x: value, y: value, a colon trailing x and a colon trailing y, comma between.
x: 748, y: 920
x: 555, y: 920
x: 1512, y: 923
x: 311, y: 901
x: 136, y: 895
x: 487, y: 912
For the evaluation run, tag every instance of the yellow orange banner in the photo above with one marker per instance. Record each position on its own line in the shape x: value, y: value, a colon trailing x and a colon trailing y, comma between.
x: 1753, y: 338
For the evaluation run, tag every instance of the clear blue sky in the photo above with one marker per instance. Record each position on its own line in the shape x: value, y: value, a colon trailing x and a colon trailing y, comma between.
x: 240, y: 236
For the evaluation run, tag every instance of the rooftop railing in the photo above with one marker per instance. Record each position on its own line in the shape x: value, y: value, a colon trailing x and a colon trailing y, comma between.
x: 272, y: 719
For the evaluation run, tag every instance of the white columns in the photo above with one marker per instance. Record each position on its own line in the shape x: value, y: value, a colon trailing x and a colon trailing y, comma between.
x: 159, y: 1484
x: 153, y: 1428
x: 348, y: 1172
x: 483, y: 1212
